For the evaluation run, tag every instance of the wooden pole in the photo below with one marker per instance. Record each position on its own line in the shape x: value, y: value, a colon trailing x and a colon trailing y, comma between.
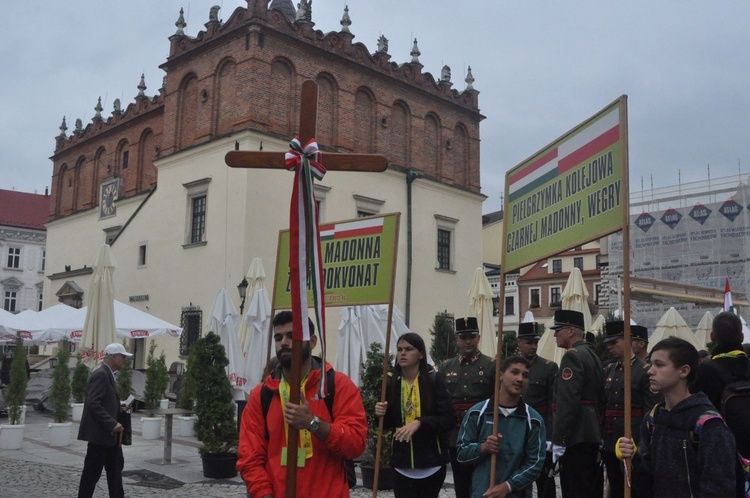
x: 498, y: 361
x: 626, y: 282
x: 386, y: 362
x: 292, y: 440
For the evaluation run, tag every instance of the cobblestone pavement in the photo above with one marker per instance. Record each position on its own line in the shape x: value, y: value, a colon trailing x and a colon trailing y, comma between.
x: 20, y: 480
x: 39, y: 470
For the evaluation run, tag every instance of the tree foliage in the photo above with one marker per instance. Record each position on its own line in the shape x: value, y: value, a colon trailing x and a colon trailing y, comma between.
x: 80, y: 379
x: 125, y: 378
x: 444, y: 344
x: 370, y: 387
x: 15, y: 394
x: 157, y: 378
x: 216, y: 426
x: 186, y: 396
x: 60, y: 391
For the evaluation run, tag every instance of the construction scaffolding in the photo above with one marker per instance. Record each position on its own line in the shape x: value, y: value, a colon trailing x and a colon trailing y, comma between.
x: 685, y: 240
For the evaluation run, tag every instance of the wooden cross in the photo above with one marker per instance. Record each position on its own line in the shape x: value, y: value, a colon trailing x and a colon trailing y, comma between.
x: 307, y: 124
x: 331, y: 161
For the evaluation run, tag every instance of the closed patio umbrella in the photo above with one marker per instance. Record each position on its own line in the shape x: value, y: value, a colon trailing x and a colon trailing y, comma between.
x: 480, y: 306
x: 99, y: 324
x: 222, y: 320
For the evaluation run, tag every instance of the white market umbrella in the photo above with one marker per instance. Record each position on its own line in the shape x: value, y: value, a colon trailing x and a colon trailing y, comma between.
x: 253, y: 333
x: 222, y: 320
x: 598, y: 326
x: 745, y: 331
x: 703, y: 332
x: 132, y: 323
x: 671, y: 324
x: 575, y: 298
x: 398, y: 328
x: 99, y: 324
x: 480, y: 306
x: 528, y: 317
x: 360, y: 326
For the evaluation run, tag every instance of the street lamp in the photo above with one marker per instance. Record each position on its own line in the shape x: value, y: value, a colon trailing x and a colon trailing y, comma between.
x: 242, y: 289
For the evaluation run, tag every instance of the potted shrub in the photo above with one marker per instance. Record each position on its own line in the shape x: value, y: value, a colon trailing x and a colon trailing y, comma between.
x: 59, y: 430
x: 78, y: 388
x: 186, y: 400
x: 11, y: 435
x: 157, y: 381
x: 125, y: 378
x: 216, y: 426
x: 370, y: 386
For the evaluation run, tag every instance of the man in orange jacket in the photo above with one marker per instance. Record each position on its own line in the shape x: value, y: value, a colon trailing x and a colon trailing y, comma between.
x: 327, y: 437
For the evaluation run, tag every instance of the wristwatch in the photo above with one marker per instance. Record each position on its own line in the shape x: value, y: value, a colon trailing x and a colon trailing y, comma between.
x: 314, y: 425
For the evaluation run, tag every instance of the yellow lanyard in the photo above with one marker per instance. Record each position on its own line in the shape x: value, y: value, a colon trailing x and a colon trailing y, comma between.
x: 410, y: 406
x: 305, y: 438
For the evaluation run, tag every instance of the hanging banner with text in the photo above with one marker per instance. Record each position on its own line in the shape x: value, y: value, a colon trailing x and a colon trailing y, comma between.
x: 569, y: 193
x: 358, y: 262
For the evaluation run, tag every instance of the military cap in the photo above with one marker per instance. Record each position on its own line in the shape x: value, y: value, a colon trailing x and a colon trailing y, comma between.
x: 639, y: 332
x: 613, y: 330
x: 467, y: 325
x: 568, y: 318
x: 528, y: 331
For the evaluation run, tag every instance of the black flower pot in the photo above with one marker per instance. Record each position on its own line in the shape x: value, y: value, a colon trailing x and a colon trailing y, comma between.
x: 219, y: 465
x: 385, y: 476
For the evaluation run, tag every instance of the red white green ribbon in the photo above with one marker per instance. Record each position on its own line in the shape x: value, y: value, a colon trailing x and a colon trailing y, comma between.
x: 305, y: 260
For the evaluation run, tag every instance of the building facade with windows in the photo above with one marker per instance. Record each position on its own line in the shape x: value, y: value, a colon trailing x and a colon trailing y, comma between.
x: 540, y: 287
x: 23, y: 240
x: 152, y: 181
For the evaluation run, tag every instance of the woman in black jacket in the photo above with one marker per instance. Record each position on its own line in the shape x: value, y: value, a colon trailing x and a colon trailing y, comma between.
x: 419, y: 409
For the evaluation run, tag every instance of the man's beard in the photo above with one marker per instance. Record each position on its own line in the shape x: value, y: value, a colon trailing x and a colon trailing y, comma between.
x: 286, y: 361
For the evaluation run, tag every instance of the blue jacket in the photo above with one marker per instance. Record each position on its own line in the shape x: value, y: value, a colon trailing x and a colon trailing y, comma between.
x: 522, y: 448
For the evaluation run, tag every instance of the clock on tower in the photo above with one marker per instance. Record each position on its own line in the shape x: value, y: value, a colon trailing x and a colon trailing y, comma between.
x: 107, y: 200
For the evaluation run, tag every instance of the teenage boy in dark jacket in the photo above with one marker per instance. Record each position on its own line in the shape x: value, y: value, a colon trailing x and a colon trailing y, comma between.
x: 686, y: 450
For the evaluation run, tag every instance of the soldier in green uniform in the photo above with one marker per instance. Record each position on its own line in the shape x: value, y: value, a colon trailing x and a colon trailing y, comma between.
x: 578, y: 400
x: 470, y: 378
x: 539, y: 394
x: 642, y: 399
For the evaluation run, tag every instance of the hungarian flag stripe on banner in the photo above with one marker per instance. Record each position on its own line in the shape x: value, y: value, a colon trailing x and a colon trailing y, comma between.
x: 589, y: 142
x: 352, y: 229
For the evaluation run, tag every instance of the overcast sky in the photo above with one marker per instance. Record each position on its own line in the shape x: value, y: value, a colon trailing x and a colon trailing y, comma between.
x: 541, y: 68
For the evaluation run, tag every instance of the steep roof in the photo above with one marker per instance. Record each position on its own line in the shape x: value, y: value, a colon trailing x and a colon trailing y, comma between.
x: 23, y: 210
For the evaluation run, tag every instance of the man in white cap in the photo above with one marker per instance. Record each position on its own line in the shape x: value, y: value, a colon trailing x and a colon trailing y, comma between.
x: 99, y: 426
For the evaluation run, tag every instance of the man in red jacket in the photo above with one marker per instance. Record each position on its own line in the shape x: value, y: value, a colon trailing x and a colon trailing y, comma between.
x: 327, y: 438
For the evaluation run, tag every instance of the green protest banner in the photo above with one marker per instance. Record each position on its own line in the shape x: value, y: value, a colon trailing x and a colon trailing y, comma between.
x: 358, y: 262
x: 569, y: 193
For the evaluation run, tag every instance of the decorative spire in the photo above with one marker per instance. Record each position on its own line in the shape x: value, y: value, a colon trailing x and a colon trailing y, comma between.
x: 117, y: 108
x: 445, y: 75
x: 98, y: 109
x: 142, y: 87
x: 304, y: 12
x: 181, y: 24
x: 63, y: 129
x: 346, y: 21
x: 469, y: 80
x: 382, y: 45
x: 415, y: 53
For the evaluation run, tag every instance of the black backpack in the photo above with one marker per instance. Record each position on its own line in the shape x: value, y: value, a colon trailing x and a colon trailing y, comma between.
x: 266, y: 395
x: 735, y: 409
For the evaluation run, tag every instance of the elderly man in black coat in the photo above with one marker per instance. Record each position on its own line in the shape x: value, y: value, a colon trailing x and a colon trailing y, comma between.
x: 99, y: 426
